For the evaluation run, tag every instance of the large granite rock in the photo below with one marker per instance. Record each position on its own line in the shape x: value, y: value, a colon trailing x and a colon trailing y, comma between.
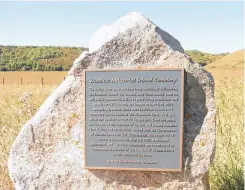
x: 48, y: 152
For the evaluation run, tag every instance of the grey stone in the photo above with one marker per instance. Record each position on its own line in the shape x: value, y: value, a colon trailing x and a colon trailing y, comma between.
x: 48, y: 152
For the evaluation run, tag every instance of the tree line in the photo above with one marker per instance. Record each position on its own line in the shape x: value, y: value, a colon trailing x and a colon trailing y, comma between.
x: 51, y: 58
x: 37, y: 58
x: 204, y: 58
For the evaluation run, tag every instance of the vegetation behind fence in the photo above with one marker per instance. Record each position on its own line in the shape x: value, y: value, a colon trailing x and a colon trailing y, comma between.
x: 38, y: 58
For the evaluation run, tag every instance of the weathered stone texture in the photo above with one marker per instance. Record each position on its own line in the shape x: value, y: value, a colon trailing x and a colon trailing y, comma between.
x: 48, y: 152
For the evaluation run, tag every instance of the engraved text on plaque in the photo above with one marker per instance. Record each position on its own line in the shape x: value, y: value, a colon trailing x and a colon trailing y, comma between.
x: 134, y: 119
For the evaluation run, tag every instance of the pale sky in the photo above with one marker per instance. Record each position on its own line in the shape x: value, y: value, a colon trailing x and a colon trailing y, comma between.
x: 213, y: 27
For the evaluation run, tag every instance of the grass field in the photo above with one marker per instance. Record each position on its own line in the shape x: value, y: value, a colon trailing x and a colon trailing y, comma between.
x: 233, y: 61
x: 227, y: 170
x: 19, y: 103
x: 33, y: 78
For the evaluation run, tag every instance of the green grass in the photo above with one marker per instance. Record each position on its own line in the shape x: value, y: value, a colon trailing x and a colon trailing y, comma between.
x: 228, y: 176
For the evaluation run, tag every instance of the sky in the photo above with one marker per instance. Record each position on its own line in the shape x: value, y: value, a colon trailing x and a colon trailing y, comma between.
x: 213, y: 27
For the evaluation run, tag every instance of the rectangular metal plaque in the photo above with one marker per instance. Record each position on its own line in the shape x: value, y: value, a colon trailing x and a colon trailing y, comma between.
x: 134, y: 119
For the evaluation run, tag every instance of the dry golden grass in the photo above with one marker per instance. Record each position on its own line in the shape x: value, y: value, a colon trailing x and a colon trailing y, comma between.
x: 234, y: 61
x: 17, y: 105
x: 49, y: 78
x: 226, y: 75
x: 229, y: 101
x: 227, y: 170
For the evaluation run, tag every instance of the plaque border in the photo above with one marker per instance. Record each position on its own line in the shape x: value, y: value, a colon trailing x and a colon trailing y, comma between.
x: 181, y: 117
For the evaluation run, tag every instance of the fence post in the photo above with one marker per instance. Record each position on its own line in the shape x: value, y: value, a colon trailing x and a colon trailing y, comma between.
x: 21, y: 81
x: 64, y: 78
x: 3, y: 81
x: 42, y: 80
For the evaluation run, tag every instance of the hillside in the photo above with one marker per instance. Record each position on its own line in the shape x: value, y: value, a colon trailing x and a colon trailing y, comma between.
x: 204, y: 58
x: 228, y: 67
x: 37, y: 58
x: 234, y: 60
x: 48, y: 58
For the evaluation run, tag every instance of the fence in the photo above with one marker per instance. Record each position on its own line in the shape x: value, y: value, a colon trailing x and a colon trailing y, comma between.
x: 32, y: 78
x: 36, y: 81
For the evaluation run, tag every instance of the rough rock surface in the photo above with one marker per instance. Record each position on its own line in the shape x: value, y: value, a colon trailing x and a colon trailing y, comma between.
x: 48, y: 152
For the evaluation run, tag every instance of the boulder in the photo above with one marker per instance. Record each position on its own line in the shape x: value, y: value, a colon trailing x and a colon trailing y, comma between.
x: 48, y: 152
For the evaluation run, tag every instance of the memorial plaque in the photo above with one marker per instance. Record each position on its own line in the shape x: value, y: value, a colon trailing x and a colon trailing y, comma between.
x: 134, y: 119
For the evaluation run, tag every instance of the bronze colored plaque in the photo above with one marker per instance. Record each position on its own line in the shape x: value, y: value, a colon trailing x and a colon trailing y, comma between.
x: 134, y: 119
